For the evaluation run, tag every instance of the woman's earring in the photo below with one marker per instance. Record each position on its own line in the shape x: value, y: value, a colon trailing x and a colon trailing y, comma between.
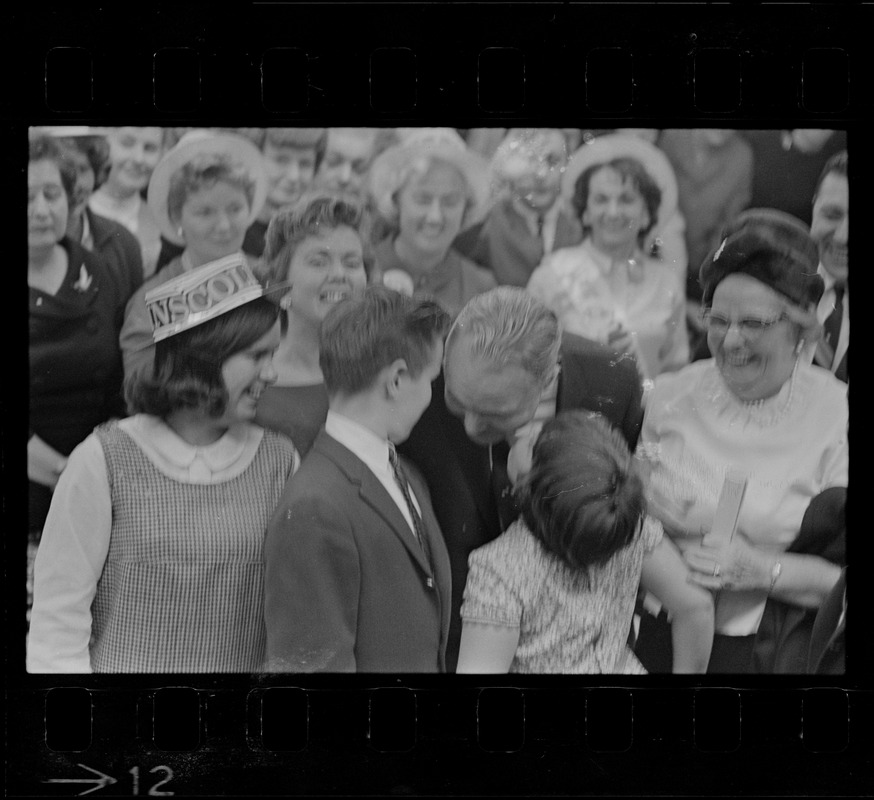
x: 180, y: 233
x: 799, y: 347
x: 285, y: 303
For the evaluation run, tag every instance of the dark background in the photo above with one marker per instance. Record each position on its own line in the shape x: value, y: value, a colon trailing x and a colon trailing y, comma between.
x: 581, y: 65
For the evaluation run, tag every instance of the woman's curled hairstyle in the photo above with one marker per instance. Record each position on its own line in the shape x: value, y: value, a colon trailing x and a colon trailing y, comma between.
x: 630, y: 170
x: 203, y: 172
x: 46, y: 148
x: 187, y: 371
x: 583, y: 498
x: 315, y: 213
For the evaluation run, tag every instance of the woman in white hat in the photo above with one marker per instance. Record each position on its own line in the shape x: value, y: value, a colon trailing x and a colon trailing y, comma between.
x: 204, y: 194
x: 607, y: 288
x: 151, y: 556
x: 133, y: 154
x: 427, y: 189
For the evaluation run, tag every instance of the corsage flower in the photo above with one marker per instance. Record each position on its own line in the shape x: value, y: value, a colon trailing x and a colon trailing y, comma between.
x: 84, y: 281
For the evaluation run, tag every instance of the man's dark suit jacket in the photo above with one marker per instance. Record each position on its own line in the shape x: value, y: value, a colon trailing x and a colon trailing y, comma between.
x: 457, y: 470
x: 347, y: 587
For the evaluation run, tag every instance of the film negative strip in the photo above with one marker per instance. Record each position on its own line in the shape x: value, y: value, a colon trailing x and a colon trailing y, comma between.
x: 588, y: 66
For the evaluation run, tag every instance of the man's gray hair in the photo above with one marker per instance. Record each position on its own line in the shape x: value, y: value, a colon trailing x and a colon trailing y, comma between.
x: 508, y: 325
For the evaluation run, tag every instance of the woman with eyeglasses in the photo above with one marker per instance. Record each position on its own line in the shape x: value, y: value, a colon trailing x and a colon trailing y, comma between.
x: 760, y: 411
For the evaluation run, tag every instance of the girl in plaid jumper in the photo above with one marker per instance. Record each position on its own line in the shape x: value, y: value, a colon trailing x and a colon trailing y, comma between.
x: 151, y: 556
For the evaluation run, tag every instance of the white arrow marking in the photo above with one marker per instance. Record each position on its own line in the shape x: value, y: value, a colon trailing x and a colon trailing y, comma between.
x: 101, y: 781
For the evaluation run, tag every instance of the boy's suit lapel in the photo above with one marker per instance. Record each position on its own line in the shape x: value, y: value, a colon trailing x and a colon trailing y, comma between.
x: 373, y: 493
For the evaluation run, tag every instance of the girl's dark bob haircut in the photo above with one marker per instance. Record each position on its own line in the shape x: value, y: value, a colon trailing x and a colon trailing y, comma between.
x: 583, y: 498
x: 187, y: 372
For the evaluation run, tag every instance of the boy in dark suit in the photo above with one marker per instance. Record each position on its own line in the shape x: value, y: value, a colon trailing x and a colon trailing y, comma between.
x: 357, y: 573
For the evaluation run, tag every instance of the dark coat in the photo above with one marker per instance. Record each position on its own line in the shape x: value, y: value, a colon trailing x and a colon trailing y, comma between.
x: 120, y: 251
x: 75, y: 363
x: 347, y: 588
x: 457, y: 470
x: 783, y: 639
x: 504, y: 244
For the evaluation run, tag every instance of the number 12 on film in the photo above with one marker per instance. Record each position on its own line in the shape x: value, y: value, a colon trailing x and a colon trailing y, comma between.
x: 154, y: 788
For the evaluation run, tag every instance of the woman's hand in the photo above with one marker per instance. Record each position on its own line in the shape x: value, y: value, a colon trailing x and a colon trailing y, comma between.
x: 730, y: 565
x: 44, y: 463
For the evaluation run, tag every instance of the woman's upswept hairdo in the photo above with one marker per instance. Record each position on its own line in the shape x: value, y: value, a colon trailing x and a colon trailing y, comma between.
x: 314, y: 213
x: 187, y: 372
x: 583, y: 498
x: 629, y: 169
x: 508, y: 325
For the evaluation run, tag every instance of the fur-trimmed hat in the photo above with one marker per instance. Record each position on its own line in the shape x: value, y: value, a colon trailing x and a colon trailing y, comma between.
x: 771, y: 246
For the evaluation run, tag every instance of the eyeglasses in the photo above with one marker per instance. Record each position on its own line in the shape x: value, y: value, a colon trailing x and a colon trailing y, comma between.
x: 751, y: 328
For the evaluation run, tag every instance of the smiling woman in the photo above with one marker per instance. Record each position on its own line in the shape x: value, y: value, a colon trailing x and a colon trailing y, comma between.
x: 315, y: 244
x: 76, y: 303
x: 760, y: 407
x: 133, y: 154
x: 163, y: 573
x: 428, y: 188
x: 609, y: 288
x: 203, y: 194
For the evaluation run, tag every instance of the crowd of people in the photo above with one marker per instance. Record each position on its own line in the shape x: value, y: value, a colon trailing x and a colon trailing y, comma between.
x: 437, y: 400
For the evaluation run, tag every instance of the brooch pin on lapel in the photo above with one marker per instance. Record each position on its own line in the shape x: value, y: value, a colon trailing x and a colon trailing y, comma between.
x: 84, y: 281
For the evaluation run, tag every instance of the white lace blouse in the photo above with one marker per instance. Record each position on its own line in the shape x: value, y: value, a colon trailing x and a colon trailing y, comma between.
x: 791, y: 447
